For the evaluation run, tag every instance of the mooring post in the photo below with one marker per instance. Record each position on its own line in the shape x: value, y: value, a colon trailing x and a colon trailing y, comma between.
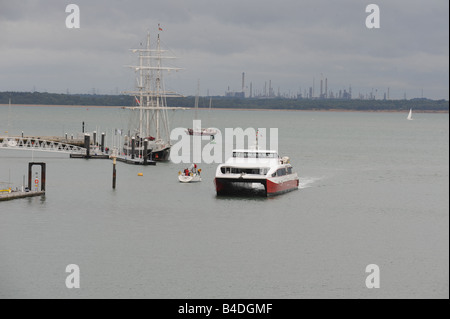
x: 94, y: 138
x: 22, y: 134
x: 43, y: 176
x: 103, y: 142
x: 87, y: 144
x: 66, y: 136
x: 30, y: 166
x: 145, y: 151
x: 114, y: 173
x: 82, y: 128
x: 133, y: 147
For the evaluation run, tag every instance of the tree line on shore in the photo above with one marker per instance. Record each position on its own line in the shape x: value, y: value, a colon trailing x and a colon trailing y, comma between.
x: 37, y: 98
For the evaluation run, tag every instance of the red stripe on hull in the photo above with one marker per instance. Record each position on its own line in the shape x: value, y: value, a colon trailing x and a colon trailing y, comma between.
x: 279, y: 188
x: 219, y: 186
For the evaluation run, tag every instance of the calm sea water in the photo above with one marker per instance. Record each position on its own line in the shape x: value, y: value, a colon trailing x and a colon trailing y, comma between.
x: 374, y: 190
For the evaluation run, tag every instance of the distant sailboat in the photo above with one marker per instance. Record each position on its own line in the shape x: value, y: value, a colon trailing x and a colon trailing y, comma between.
x: 409, y: 118
x: 198, y: 130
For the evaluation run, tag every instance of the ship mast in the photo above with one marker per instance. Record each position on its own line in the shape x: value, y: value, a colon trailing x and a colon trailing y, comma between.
x: 151, y: 94
x: 149, y: 99
x: 158, y: 87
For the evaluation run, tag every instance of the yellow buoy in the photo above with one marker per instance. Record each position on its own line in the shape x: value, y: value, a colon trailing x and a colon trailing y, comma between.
x: 140, y: 174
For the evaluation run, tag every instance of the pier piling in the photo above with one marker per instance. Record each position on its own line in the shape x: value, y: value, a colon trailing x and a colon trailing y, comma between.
x: 87, y: 144
x: 145, y: 151
x: 103, y: 143
x: 114, y: 173
x: 133, y: 147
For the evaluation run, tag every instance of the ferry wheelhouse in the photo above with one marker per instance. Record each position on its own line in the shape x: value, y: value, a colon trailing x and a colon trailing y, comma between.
x: 249, y: 169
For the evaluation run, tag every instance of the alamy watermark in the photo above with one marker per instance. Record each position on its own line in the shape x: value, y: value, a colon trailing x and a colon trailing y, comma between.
x: 73, y: 280
x: 373, y: 279
x: 73, y: 19
x: 373, y: 19
x: 220, y: 145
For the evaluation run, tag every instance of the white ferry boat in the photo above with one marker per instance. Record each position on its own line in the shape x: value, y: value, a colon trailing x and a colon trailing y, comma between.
x: 248, y: 168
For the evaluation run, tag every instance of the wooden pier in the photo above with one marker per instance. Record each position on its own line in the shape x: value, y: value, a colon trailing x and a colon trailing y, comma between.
x: 17, y: 195
x: 77, y: 149
x: 102, y: 156
x: 135, y: 161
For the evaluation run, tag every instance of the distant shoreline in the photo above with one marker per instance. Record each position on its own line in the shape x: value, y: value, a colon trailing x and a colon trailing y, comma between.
x: 237, y: 109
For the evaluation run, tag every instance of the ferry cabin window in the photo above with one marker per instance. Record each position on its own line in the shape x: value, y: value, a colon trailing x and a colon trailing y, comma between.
x: 281, y: 172
x: 238, y: 170
x: 289, y: 170
x: 253, y: 155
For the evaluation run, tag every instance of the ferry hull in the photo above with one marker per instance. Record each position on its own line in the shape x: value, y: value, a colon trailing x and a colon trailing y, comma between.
x: 227, y: 186
x: 274, y: 188
x: 237, y: 186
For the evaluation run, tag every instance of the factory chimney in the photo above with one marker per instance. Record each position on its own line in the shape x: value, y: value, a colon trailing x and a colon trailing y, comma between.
x: 321, y: 88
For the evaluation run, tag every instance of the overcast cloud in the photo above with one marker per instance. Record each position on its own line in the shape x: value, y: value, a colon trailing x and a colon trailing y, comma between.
x: 289, y: 42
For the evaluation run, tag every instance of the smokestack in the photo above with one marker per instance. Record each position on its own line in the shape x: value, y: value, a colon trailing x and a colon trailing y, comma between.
x: 326, y: 87
x: 314, y: 86
x: 321, y: 88
x: 243, y: 81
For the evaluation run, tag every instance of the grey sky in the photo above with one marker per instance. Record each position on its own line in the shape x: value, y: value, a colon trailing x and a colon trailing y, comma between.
x: 287, y: 41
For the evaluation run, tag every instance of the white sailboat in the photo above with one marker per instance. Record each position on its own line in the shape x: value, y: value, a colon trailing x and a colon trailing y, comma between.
x: 198, y: 130
x: 409, y: 118
x: 151, y: 103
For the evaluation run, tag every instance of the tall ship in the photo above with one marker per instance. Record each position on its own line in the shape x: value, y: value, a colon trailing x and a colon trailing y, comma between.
x: 256, y: 169
x: 150, y: 112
